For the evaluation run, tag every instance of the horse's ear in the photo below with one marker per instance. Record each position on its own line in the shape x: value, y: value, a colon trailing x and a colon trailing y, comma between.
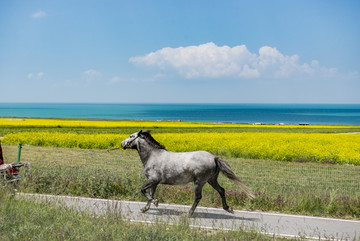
x: 143, y: 132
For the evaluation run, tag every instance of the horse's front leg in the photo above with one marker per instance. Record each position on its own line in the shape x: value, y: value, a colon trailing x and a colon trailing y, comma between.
x: 152, y: 185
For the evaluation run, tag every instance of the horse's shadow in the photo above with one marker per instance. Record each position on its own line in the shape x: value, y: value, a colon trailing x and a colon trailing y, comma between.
x: 206, y: 215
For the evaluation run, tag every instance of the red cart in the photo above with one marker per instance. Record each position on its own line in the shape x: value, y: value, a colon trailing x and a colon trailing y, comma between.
x: 10, y: 172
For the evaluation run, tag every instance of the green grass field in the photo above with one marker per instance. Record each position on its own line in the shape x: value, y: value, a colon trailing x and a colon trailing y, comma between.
x: 302, y: 188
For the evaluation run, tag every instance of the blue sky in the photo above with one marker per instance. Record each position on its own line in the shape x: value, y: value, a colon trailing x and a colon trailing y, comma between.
x: 180, y: 51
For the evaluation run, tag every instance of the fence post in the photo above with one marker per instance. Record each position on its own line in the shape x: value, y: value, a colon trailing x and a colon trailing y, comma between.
x: 1, y: 155
x: 19, y: 153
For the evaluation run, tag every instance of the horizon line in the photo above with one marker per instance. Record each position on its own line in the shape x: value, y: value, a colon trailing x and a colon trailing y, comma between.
x: 182, y: 103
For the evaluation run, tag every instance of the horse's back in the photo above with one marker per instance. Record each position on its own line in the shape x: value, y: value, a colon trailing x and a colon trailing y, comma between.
x: 195, y: 158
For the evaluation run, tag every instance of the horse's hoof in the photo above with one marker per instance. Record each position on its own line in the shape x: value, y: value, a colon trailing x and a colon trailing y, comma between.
x: 230, y: 210
x: 155, y: 202
x: 143, y: 210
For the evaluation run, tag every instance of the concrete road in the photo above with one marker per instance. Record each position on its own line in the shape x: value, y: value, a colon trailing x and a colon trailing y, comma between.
x: 264, y: 222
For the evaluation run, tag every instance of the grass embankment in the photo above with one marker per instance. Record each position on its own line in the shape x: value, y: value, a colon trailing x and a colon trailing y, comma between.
x: 300, y: 188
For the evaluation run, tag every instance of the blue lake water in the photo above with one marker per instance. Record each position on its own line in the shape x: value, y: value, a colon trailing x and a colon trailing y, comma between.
x: 348, y: 114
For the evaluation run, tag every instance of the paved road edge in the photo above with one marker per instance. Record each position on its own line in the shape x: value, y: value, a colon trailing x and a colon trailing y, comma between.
x: 286, y: 225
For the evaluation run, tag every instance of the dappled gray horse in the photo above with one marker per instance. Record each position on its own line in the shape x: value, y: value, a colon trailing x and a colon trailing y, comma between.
x: 165, y: 167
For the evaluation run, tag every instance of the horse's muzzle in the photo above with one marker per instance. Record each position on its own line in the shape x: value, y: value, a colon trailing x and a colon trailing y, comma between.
x: 124, y: 145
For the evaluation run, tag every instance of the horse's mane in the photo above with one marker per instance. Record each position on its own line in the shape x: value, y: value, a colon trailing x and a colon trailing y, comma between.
x: 147, y: 136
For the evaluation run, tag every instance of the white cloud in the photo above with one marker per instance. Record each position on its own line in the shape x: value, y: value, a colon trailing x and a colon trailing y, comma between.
x: 92, y: 73
x: 39, y: 14
x: 116, y: 79
x: 212, y: 61
x: 35, y: 76
x: 40, y: 75
x: 152, y: 78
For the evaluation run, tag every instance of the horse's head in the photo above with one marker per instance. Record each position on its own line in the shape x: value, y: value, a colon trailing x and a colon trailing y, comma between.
x: 131, y: 141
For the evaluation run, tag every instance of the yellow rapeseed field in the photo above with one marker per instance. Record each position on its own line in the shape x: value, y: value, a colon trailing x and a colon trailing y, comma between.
x: 18, y: 122
x: 72, y: 140
x: 337, y: 148
x: 276, y: 146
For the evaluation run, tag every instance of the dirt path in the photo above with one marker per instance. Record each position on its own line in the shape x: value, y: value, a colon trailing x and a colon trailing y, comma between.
x: 349, y: 133
x: 214, y: 218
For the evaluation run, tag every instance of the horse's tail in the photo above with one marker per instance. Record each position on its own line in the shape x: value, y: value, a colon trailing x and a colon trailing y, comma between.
x: 225, y: 168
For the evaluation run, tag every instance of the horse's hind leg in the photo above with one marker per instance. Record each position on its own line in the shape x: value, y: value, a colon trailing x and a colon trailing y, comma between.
x: 198, y: 195
x: 214, y: 183
x: 152, y: 192
x: 152, y: 185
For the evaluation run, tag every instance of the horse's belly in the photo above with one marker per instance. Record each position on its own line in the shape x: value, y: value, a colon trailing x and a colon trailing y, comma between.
x: 177, y: 179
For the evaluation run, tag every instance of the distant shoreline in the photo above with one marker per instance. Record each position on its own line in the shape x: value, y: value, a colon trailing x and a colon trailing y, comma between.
x: 164, y: 121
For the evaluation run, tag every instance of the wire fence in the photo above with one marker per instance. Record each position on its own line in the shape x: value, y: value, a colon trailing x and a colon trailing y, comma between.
x: 273, y: 177
x: 312, y: 178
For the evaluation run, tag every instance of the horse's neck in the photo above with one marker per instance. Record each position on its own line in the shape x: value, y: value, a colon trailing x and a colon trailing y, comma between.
x: 145, y: 151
